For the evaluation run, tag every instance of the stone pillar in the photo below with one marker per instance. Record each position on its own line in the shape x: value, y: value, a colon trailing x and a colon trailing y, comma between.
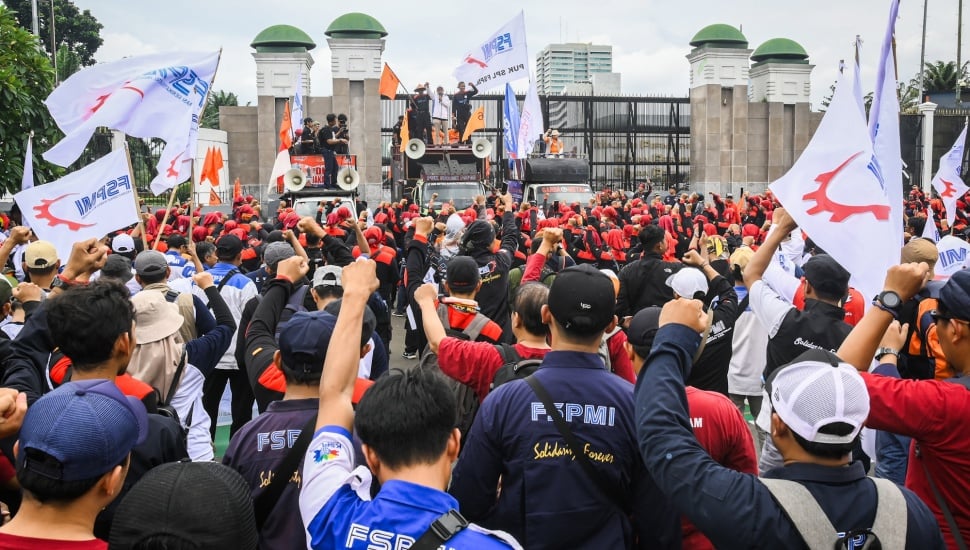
x: 927, y: 110
x: 356, y: 68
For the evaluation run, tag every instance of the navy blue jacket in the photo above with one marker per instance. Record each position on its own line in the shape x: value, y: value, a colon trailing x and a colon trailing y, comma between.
x: 733, y: 509
x: 547, y: 501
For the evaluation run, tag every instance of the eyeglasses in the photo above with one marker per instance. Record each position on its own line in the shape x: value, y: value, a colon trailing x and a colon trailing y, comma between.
x: 937, y: 316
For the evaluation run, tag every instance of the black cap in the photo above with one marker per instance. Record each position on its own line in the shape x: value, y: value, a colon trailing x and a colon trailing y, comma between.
x: 463, y: 275
x: 643, y: 327
x: 582, y: 299
x: 228, y: 246
x: 826, y: 275
x: 367, y: 327
x: 955, y: 295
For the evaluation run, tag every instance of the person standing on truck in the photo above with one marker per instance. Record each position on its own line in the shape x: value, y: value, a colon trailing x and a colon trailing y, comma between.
x: 441, y: 113
x: 462, y: 107
x: 422, y: 107
x: 553, y: 144
x: 328, y: 143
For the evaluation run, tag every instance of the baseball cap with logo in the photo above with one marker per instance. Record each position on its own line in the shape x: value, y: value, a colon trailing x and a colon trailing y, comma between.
x: 582, y: 299
x: 816, y: 391
x: 80, y: 431
x: 40, y: 255
x: 689, y: 282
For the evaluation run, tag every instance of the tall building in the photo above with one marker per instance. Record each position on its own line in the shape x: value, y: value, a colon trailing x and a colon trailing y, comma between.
x: 558, y: 65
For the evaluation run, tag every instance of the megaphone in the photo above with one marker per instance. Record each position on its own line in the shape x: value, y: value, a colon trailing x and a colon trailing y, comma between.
x: 481, y: 148
x: 348, y: 179
x: 415, y: 149
x: 294, y: 180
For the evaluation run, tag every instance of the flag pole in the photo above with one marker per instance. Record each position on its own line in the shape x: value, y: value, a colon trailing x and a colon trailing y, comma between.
x: 171, y: 202
x: 192, y: 186
x: 134, y: 193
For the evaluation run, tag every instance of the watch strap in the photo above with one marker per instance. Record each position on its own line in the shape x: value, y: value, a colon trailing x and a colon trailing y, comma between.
x: 886, y: 351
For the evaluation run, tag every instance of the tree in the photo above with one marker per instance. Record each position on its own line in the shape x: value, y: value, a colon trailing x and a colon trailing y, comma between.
x: 210, y: 116
x: 68, y: 63
x: 78, y: 30
x: 941, y: 77
x: 26, y: 78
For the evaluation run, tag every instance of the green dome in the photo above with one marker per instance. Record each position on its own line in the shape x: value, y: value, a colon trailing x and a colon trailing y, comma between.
x: 780, y: 49
x: 282, y: 38
x: 355, y: 25
x: 720, y: 35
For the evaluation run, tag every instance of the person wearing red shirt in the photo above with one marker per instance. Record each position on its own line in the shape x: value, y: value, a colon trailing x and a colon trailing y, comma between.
x: 718, y: 425
x: 932, y: 412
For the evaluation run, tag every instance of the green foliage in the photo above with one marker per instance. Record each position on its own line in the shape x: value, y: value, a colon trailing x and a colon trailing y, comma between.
x: 210, y: 116
x: 26, y: 78
x: 76, y: 29
x: 941, y: 77
x: 67, y: 64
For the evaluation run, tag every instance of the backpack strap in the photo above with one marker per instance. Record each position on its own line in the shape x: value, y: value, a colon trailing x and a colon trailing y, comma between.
x: 441, y: 530
x: 227, y: 277
x: 175, y: 379
x: 171, y: 296
x: 476, y: 326
x: 266, y: 501
x: 892, y: 506
x: 803, y: 510
x: 508, y: 353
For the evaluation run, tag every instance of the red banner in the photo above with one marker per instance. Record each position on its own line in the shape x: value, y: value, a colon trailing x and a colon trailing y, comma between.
x: 315, y: 169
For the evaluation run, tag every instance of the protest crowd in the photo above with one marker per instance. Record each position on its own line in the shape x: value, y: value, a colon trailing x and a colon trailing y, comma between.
x: 576, y: 377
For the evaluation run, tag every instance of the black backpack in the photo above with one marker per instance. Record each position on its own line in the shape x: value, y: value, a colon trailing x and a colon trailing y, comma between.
x: 513, y: 367
x: 465, y: 398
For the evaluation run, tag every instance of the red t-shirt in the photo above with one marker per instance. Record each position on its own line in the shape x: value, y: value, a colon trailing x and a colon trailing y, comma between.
x: 475, y: 363
x: 14, y: 542
x: 724, y: 434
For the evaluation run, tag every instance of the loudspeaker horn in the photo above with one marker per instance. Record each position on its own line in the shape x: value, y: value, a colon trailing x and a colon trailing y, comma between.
x: 481, y: 148
x: 294, y: 180
x: 415, y: 149
x: 348, y: 179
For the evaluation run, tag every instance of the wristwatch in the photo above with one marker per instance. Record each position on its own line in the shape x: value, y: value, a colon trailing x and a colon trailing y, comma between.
x: 886, y: 351
x: 62, y: 283
x: 889, y: 301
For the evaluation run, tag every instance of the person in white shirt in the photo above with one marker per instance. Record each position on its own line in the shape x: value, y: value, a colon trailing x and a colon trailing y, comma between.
x: 440, y: 115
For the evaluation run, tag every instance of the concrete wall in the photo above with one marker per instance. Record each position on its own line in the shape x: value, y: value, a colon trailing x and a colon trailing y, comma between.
x: 242, y: 157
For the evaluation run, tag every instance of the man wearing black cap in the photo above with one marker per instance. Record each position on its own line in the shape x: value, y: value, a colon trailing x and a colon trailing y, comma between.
x: 575, y: 484
x: 643, y: 283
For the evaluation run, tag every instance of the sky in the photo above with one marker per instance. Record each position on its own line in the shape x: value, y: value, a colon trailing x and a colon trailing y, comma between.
x: 649, y: 37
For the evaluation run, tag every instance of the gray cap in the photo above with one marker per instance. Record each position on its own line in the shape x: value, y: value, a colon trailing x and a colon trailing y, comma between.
x: 277, y: 252
x: 117, y: 267
x: 151, y: 263
x: 328, y: 275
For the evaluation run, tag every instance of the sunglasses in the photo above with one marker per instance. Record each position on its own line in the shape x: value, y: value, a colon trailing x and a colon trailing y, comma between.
x: 937, y: 316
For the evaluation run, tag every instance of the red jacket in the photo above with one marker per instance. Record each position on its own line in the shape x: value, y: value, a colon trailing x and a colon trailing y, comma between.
x: 934, y: 414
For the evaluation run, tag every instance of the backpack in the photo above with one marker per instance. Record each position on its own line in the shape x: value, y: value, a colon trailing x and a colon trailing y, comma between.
x: 515, y: 278
x: 465, y: 398
x: 813, y: 525
x: 296, y: 303
x: 915, y: 361
x: 513, y: 366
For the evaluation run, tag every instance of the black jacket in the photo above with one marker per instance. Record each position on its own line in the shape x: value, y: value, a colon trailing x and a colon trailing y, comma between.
x: 643, y: 284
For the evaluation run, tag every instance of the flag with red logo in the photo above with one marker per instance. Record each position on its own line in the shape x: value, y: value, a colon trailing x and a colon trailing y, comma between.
x: 91, y: 202
x: 837, y: 199
x: 150, y: 96
x: 502, y: 57
x: 947, y: 181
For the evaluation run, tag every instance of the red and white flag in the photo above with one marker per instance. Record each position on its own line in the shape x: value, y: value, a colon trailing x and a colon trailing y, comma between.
x: 837, y: 200
x: 282, y: 163
x: 947, y: 182
x: 91, y: 202
x: 151, y: 96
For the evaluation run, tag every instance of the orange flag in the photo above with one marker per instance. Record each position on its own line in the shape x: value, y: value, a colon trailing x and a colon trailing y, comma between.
x: 286, y: 129
x: 217, y: 165
x: 214, y: 199
x: 206, y: 173
x: 405, y: 133
x: 237, y: 189
x: 476, y: 122
x: 389, y: 83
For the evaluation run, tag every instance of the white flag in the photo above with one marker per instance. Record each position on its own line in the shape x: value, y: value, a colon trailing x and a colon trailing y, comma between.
x: 28, y: 179
x: 531, y: 126
x: 502, y: 57
x: 837, y: 200
x: 947, y: 181
x: 151, y: 96
x: 91, y: 202
x: 929, y: 230
x: 887, y: 160
x: 296, y: 118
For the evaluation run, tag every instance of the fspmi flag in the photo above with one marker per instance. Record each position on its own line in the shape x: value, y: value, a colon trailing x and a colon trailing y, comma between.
x: 502, y: 57
x: 947, y: 182
x: 91, y: 202
x: 149, y: 96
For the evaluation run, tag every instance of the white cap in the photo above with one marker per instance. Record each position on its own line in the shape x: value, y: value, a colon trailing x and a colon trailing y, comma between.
x: 320, y: 276
x: 814, y: 391
x: 122, y: 243
x: 688, y: 282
